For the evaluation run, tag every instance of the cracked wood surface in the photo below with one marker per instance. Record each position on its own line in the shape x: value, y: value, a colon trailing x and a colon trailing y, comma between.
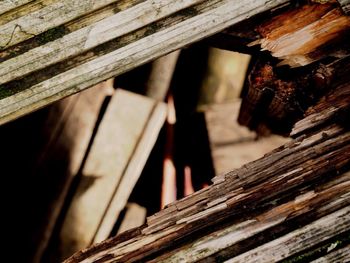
x: 298, y: 185
x: 61, y: 64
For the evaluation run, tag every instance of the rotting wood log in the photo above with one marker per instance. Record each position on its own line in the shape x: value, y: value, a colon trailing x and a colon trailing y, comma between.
x: 277, y: 97
x: 63, y: 64
x: 124, y: 139
x: 307, y: 34
x: 293, y: 186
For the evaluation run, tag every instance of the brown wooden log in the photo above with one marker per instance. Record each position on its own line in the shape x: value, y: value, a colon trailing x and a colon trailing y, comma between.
x: 293, y: 185
x: 277, y: 97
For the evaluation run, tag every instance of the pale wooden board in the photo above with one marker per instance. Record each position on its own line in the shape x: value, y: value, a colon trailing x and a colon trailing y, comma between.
x: 338, y: 256
x: 7, y: 5
x: 299, y: 240
x: 89, y: 37
x: 45, y: 18
x: 218, y: 16
x: 72, y: 131
x: 135, y: 216
x: 108, y: 166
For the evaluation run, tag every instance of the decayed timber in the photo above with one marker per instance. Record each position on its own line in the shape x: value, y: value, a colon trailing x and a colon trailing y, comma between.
x: 119, y: 151
x: 298, y: 37
x: 299, y: 240
x: 117, y: 50
x: 299, y: 184
x: 340, y: 255
x: 275, y: 99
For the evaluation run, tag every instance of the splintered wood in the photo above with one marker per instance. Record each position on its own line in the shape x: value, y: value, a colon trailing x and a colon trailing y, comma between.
x: 302, y: 36
x: 65, y: 53
x: 298, y: 185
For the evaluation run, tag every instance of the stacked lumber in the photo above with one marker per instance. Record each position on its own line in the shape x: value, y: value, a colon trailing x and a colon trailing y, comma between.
x: 284, y: 205
x: 50, y: 51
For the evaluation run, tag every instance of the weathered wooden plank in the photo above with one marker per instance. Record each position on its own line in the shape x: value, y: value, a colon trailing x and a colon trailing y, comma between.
x: 48, y: 17
x: 7, y: 5
x: 117, y: 155
x: 89, y: 37
x: 72, y: 133
x: 339, y: 256
x: 132, y: 172
x: 218, y: 16
x: 299, y: 240
x: 231, y: 235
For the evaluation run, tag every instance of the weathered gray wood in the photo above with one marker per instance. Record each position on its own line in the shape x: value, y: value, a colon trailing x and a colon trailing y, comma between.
x: 214, y: 18
x: 7, y: 5
x: 123, y: 141
x: 50, y: 16
x: 345, y: 4
x: 298, y: 240
x: 338, y: 256
x: 89, y: 37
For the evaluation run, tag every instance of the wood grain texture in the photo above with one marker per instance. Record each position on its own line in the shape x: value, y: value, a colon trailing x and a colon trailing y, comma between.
x: 120, y: 149
x: 299, y: 240
x: 7, y: 5
x: 47, y: 17
x: 340, y: 255
x: 316, y: 27
x: 293, y: 185
x: 194, y: 25
x: 90, y: 37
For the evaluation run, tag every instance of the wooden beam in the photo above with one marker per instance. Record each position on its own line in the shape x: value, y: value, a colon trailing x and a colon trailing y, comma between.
x: 7, y: 5
x: 299, y: 240
x: 178, y: 29
x: 340, y: 255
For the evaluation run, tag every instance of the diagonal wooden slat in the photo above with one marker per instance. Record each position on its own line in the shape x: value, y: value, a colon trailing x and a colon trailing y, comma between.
x: 90, y: 37
x: 8, y: 5
x: 170, y: 33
